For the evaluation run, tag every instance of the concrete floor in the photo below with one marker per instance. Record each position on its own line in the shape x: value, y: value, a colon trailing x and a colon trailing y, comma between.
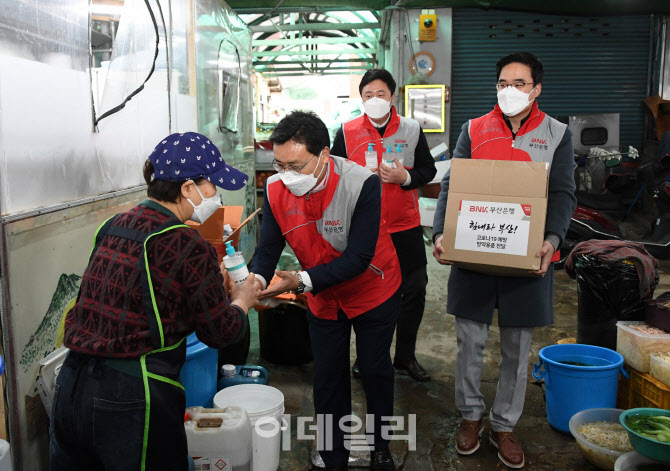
x: 433, y: 402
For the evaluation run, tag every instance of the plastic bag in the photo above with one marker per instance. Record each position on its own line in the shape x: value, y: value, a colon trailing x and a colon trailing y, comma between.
x: 608, y: 291
x: 657, y: 312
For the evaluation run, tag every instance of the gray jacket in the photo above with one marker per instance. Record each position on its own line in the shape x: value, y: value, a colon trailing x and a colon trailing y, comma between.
x: 521, y: 301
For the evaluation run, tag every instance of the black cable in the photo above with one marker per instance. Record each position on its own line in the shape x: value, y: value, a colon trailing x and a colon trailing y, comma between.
x: 141, y: 87
x: 239, y: 79
x: 167, y: 63
x: 91, y: 63
x: 409, y: 36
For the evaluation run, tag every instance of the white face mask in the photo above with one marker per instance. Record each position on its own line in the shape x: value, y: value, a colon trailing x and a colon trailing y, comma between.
x: 513, y: 101
x: 377, y: 108
x: 300, y: 183
x: 206, y: 208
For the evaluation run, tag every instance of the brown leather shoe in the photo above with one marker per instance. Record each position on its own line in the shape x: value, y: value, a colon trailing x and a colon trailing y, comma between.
x: 467, y: 437
x: 509, y: 449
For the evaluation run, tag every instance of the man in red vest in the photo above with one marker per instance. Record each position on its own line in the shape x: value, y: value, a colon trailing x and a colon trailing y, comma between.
x: 512, y: 131
x: 328, y: 209
x: 412, y: 167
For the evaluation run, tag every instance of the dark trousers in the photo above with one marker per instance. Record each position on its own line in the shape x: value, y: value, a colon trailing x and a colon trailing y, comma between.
x: 332, y: 382
x: 414, y: 282
x: 97, y: 421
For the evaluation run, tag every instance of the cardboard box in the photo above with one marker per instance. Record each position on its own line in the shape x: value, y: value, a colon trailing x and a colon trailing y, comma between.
x: 495, y: 215
x: 212, y: 229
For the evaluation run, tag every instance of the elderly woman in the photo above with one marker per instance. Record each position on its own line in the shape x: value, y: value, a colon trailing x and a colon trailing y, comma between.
x: 150, y: 282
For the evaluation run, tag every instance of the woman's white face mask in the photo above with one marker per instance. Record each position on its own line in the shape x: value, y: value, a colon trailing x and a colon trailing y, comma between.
x: 377, y: 108
x: 299, y: 184
x: 206, y: 208
x: 513, y: 101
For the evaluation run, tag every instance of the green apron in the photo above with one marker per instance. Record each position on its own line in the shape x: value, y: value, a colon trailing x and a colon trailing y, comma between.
x: 158, y: 369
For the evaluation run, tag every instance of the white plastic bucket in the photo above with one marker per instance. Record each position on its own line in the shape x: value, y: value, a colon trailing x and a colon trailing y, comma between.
x: 5, y: 456
x: 219, y: 438
x: 265, y: 407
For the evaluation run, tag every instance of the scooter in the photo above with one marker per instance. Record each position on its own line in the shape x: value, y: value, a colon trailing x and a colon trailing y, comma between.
x: 635, y: 207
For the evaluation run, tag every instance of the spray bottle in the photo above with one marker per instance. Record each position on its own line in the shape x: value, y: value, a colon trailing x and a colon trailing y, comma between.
x: 387, y: 157
x: 235, y: 264
x: 371, y: 157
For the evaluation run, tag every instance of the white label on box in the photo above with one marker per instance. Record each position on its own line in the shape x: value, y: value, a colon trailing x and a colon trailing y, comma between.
x: 484, y: 226
x: 212, y: 463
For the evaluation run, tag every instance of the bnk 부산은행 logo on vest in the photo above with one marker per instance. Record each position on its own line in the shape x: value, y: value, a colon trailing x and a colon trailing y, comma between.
x: 332, y: 225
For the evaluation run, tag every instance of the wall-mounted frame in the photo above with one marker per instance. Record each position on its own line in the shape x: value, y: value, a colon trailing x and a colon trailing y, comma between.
x: 425, y: 103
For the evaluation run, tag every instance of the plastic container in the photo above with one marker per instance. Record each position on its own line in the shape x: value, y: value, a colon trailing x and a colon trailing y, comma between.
x: 571, y: 387
x: 219, y: 438
x: 599, y: 456
x: 651, y: 448
x: 283, y: 334
x: 235, y: 264
x: 427, y: 207
x: 232, y: 375
x: 632, y: 460
x: 646, y: 391
x: 636, y: 346
x: 371, y: 157
x: 5, y: 456
x: 265, y: 407
x: 198, y: 375
x: 660, y: 368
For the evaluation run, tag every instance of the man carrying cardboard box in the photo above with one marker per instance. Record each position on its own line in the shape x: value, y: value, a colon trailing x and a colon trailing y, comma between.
x: 515, y: 130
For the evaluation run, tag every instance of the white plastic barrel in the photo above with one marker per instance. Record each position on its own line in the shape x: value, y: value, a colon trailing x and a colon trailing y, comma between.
x: 265, y: 407
x: 219, y: 438
x: 5, y: 456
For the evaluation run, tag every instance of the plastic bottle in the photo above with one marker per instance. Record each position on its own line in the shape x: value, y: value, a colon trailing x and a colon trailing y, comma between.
x: 235, y: 264
x: 371, y: 157
x: 387, y: 157
x: 232, y: 375
x: 398, y: 150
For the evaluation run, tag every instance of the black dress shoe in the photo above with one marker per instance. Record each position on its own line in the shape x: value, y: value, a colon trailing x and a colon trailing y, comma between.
x: 413, y: 369
x: 355, y: 371
x: 381, y: 460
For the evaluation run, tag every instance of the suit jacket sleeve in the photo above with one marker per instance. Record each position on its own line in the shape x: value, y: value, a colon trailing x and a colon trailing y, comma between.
x: 270, y: 245
x: 462, y: 151
x: 424, y: 166
x: 561, y: 200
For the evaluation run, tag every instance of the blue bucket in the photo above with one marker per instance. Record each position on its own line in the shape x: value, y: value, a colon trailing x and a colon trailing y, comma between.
x: 573, y: 387
x: 198, y: 375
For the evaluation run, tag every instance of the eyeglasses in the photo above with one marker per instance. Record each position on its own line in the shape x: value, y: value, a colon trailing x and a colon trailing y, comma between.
x: 518, y: 85
x: 291, y: 169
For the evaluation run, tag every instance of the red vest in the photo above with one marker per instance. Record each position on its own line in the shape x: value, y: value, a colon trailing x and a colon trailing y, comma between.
x: 400, y: 208
x: 536, y: 140
x: 316, y: 226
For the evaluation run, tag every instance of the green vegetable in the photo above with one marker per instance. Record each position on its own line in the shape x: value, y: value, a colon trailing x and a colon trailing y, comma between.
x: 654, y: 427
